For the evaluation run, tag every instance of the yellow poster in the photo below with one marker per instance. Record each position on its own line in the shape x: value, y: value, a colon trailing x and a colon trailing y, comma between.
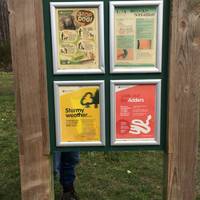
x: 135, y: 36
x: 77, y: 38
x: 79, y: 113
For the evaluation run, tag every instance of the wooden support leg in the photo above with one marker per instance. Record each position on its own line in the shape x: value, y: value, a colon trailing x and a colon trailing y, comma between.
x: 27, y: 44
x: 184, y: 92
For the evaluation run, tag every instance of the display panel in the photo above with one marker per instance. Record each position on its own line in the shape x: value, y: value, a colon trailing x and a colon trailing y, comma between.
x: 135, y: 36
x: 79, y: 111
x: 77, y: 37
x: 135, y: 113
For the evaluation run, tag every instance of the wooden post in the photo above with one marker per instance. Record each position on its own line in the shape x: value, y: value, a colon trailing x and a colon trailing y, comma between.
x: 183, y: 113
x: 27, y: 44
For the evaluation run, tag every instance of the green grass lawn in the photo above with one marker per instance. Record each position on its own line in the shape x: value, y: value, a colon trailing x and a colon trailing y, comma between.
x: 9, y: 175
x: 100, y: 176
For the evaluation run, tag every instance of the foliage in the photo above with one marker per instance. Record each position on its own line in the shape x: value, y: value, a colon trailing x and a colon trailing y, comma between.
x: 5, y: 56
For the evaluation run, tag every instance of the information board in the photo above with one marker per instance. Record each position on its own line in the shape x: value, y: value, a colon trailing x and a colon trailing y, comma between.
x: 135, y: 112
x: 136, y: 36
x: 79, y: 112
x: 77, y: 37
x: 107, y: 74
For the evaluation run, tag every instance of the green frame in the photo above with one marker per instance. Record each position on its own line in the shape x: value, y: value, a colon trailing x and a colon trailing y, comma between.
x: 106, y: 77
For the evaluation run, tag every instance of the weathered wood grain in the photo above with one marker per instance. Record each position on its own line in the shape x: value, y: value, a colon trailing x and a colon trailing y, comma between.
x: 184, y: 92
x: 27, y: 44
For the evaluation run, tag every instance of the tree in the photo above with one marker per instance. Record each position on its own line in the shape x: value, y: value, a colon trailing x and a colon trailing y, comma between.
x: 5, y: 55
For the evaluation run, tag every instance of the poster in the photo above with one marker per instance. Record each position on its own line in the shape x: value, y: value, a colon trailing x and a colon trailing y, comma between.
x: 135, y: 36
x: 79, y: 108
x: 135, y: 111
x: 77, y: 32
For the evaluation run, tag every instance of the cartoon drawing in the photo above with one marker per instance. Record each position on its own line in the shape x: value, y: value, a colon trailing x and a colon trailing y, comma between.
x: 138, y: 126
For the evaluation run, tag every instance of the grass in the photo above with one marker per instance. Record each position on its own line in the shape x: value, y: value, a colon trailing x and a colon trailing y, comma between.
x: 117, y: 175
x: 120, y: 176
x: 100, y: 176
x: 9, y: 176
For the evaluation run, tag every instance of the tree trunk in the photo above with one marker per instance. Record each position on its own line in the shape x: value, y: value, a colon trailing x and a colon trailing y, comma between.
x: 4, y: 26
x: 5, y: 54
